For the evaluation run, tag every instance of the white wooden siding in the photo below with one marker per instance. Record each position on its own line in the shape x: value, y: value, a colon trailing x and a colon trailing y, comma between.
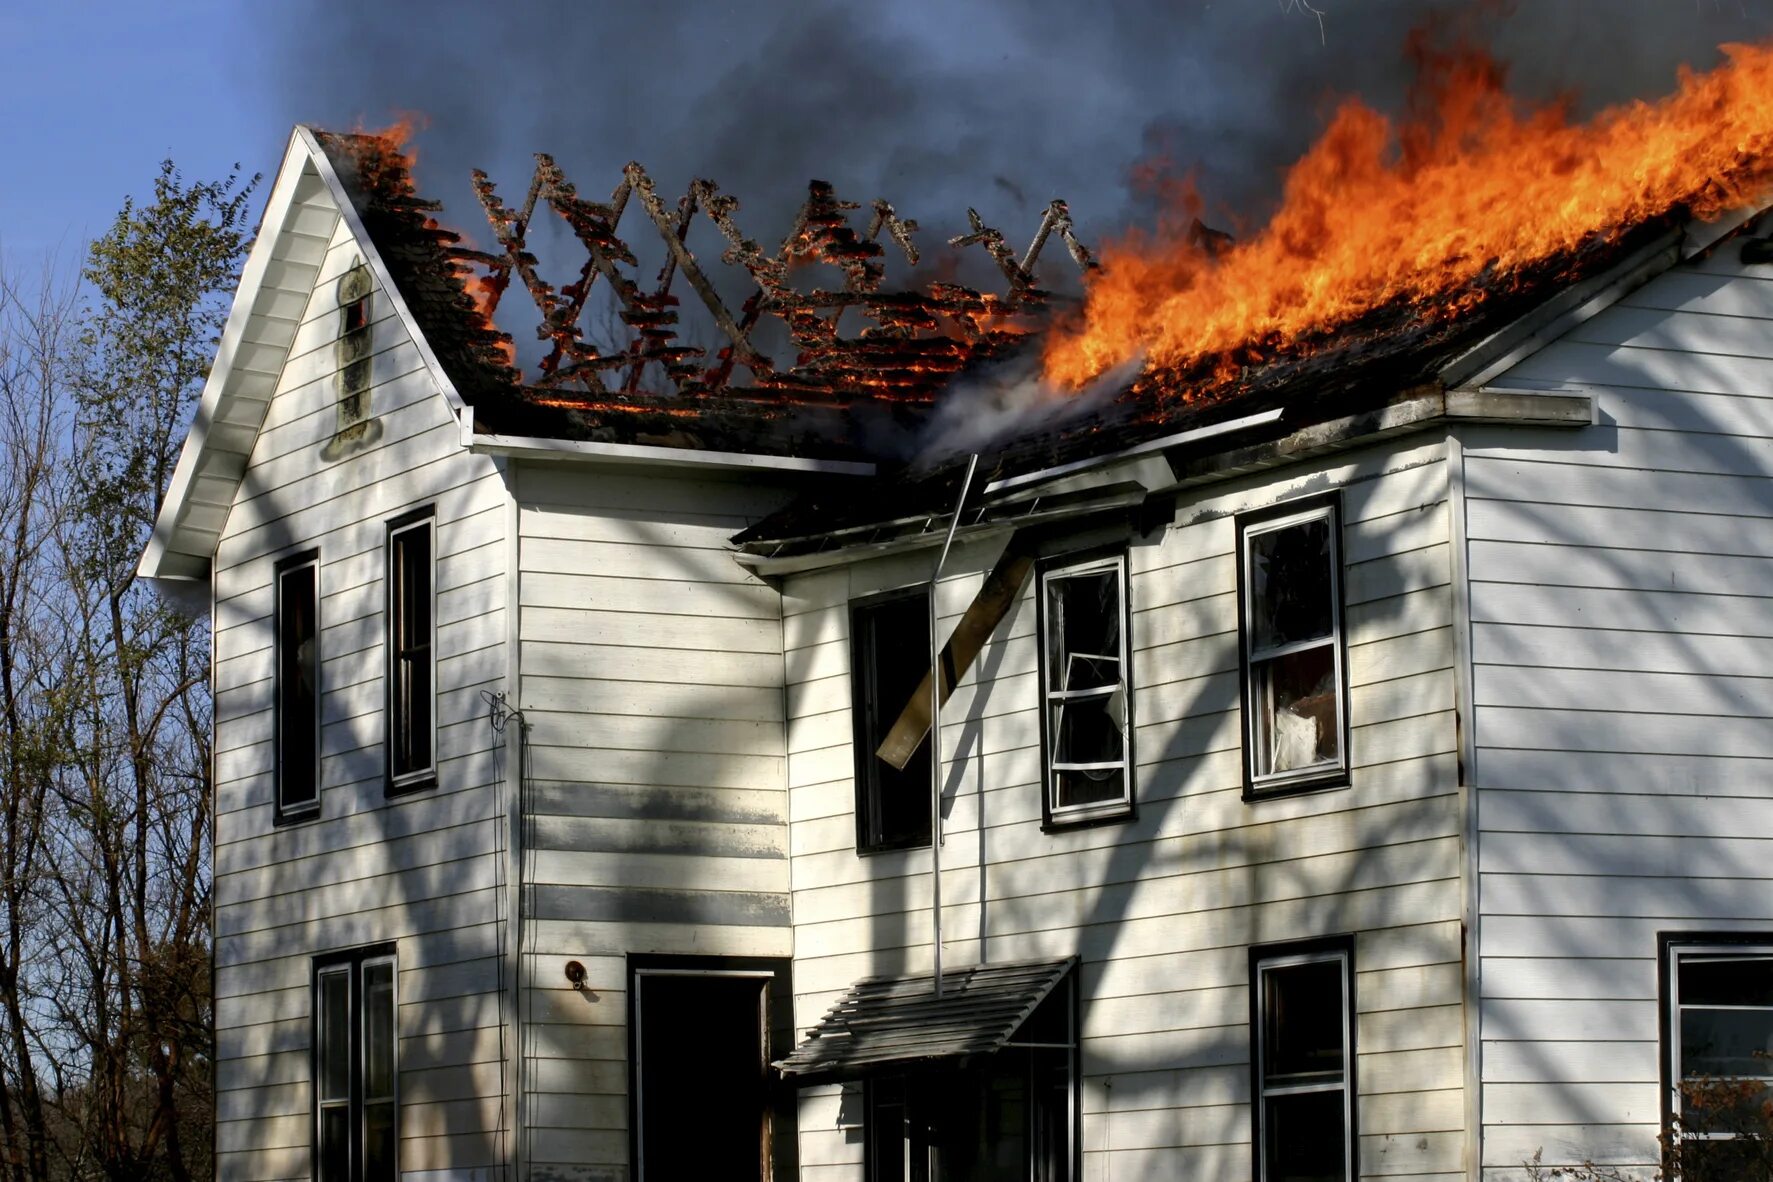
x: 657, y: 813
x: 1163, y: 909
x: 1622, y: 630
x: 421, y: 870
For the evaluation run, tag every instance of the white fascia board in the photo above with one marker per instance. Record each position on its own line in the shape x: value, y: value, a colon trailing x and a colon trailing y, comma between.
x: 159, y: 555
x: 378, y: 266
x: 540, y: 448
x: 1164, y: 443
x: 1702, y: 236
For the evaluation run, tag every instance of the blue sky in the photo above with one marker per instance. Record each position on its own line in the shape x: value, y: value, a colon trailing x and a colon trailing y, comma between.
x: 93, y: 95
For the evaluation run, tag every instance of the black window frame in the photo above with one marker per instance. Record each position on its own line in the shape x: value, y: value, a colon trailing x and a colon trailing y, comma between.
x: 1267, y: 786
x: 1101, y: 812
x: 1295, y: 952
x: 352, y: 963
x: 864, y: 739
x: 417, y: 779
x: 308, y: 808
x: 1669, y: 946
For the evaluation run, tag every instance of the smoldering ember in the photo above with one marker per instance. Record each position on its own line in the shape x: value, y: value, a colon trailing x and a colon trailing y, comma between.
x: 1283, y: 701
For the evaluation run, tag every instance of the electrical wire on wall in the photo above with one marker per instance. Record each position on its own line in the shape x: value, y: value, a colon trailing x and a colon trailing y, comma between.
x: 500, y: 715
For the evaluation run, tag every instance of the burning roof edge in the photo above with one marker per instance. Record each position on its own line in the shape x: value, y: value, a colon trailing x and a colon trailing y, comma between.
x: 1233, y: 443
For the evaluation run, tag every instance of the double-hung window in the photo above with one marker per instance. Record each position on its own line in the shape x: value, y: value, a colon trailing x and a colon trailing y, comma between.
x: 1291, y: 640
x: 889, y: 658
x: 1087, y: 689
x: 355, y: 1072
x: 1302, y: 1082
x: 297, y: 680
x: 411, y: 643
x: 1718, y: 1065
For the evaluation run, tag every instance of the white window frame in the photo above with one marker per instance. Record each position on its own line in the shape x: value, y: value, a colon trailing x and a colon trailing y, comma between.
x: 1262, y: 962
x: 419, y: 777
x: 286, y: 809
x: 1326, y: 773
x: 1751, y: 947
x: 1055, y: 813
x: 353, y: 967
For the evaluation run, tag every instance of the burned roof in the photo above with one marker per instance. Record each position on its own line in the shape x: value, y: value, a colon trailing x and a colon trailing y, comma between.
x: 863, y: 361
x: 1398, y: 350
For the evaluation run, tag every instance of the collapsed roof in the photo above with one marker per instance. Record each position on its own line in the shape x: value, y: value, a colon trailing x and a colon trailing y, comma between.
x: 863, y: 355
x: 860, y: 355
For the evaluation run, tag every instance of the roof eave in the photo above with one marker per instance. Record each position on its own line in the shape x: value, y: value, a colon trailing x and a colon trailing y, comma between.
x: 162, y: 557
x: 1127, y: 482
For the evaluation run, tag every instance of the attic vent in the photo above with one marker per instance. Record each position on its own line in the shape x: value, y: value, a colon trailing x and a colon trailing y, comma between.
x: 355, y: 430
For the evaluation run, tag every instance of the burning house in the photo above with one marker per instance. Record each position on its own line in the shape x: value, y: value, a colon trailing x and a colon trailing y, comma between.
x: 1331, y: 743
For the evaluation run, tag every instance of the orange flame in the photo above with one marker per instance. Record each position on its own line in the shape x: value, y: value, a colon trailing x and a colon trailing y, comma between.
x: 1376, y: 212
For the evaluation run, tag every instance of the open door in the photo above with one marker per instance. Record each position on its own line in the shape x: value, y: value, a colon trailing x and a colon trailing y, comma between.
x: 702, y: 1095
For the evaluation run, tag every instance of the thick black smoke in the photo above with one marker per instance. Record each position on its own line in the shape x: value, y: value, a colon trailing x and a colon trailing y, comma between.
x: 934, y: 104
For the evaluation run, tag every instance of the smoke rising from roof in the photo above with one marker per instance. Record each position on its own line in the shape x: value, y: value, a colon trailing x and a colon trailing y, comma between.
x: 932, y: 104
x: 937, y: 105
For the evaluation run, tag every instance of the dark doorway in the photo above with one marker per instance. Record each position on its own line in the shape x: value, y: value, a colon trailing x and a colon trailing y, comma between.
x: 701, y: 1074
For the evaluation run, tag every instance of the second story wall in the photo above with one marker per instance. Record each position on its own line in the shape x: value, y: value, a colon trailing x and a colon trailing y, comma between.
x: 419, y: 871
x: 1163, y: 908
x: 1621, y: 579
x: 656, y: 811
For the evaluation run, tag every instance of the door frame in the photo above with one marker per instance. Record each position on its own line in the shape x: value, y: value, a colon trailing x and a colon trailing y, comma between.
x: 772, y: 975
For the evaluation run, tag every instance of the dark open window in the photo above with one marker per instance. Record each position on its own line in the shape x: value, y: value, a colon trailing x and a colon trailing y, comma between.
x: 1290, y: 602
x: 1302, y: 1083
x: 298, y: 685
x: 1005, y: 1117
x: 890, y: 656
x: 412, y: 728
x: 1718, y: 1055
x: 1086, y: 679
x: 355, y: 1076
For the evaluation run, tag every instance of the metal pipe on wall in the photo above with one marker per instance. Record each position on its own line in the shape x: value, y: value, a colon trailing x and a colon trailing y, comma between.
x: 966, y: 485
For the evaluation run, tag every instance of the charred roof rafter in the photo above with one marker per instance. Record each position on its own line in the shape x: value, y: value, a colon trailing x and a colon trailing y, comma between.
x: 911, y: 342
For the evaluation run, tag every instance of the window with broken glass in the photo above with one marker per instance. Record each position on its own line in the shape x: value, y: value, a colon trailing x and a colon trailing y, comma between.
x: 1290, y: 595
x: 1087, y: 684
x: 889, y: 659
x: 1719, y: 1047
x: 1303, y: 1030
x: 355, y: 1073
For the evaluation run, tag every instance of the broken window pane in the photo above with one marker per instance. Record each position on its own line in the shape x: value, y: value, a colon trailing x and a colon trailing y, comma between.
x: 1297, y: 697
x: 1084, y: 670
x: 1089, y: 730
x: 1295, y: 714
x: 1083, y: 629
x: 1290, y: 584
